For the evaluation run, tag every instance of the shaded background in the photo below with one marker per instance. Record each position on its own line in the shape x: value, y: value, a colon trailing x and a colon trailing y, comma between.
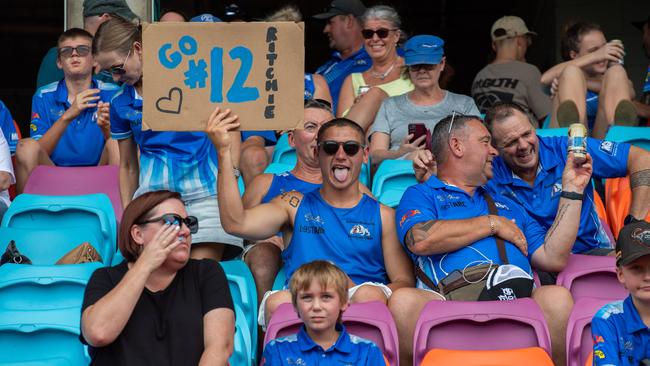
x: 28, y: 28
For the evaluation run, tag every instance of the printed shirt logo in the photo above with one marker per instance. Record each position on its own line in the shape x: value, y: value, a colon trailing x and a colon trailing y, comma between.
x: 641, y: 237
x: 407, y: 215
x: 502, y: 206
x: 33, y: 127
x: 35, y: 115
x: 557, y: 188
x: 599, y: 354
x: 360, y: 231
x: 508, y: 294
x: 608, y: 147
x: 317, y: 219
x: 599, y: 339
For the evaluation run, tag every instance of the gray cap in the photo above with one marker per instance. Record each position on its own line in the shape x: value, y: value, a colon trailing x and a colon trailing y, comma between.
x: 343, y: 7
x: 116, y: 7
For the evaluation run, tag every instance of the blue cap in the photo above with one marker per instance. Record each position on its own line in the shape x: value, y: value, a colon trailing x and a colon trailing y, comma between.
x: 423, y: 49
x: 206, y: 18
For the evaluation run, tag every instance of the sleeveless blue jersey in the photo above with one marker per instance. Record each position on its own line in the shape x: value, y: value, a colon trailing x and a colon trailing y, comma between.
x: 286, y: 182
x: 349, y: 237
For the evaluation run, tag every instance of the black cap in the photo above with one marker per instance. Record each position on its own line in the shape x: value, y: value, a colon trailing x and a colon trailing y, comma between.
x: 633, y: 242
x: 640, y: 23
x: 343, y: 7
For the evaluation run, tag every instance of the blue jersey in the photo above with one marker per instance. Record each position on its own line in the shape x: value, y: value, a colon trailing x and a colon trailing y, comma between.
x: 349, y: 237
x: 299, y: 349
x: 542, y: 200
x: 336, y: 70
x: 286, y: 182
x: 310, y: 87
x: 592, y: 108
x: 8, y: 128
x: 620, y: 336
x: 184, y: 162
x: 435, y: 200
x: 83, y: 141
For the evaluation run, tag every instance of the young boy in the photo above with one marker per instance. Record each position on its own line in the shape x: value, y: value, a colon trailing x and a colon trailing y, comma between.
x: 621, y: 330
x: 319, y: 292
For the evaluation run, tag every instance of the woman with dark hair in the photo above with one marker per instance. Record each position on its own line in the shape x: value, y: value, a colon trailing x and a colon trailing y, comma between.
x: 591, y: 86
x: 158, y: 307
x: 183, y: 162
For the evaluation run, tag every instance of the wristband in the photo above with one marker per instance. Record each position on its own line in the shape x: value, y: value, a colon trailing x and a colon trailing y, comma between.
x: 493, y: 229
x: 572, y: 195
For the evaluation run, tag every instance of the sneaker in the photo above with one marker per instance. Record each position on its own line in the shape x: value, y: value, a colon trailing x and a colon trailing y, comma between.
x: 567, y: 113
x: 625, y: 114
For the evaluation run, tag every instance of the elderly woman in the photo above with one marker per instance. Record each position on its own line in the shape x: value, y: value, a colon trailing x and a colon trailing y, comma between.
x: 362, y: 93
x: 158, y: 307
x: 428, y: 103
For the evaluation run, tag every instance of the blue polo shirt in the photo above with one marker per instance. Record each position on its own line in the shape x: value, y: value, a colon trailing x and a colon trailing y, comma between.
x: 82, y: 142
x: 620, y: 336
x: 435, y: 200
x: 337, y: 69
x: 542, y: 200
x: 8, y: 128
x: 184, y: 162
x: 300, y: 349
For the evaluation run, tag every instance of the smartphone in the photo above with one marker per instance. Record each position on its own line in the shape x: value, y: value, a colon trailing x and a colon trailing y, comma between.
x: 417, y: 130
x: 363, y: 89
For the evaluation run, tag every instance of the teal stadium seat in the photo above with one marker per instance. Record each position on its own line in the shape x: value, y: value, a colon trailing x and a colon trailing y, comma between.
x: 73, y: 214
x: 637, y: 136
x: 552, y: 132
x: 392, y: 178
x: 244, y: 294
x: 242, y: 346
x: 275, y: 168
x: 280, y: 279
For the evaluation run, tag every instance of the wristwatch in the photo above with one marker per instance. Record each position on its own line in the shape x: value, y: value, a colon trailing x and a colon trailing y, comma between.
x: 572, y: 195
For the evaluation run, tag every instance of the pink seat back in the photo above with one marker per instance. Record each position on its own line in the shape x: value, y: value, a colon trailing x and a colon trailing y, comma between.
x: 579, y: 343
x: 68, y: 181
x: 480, y: 325
x: 591, y: 276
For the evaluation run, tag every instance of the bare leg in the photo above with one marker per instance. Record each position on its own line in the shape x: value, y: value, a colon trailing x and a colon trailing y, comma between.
x: 212, y: 251
x: 556, y: 304
x: 571, y: 86
x: 406, y: 304
x: 254, y: 158
x: 29, y: 155
x: 264, y: 260
x: 368, y: 293
x: 274, y: 301
x: 615, y: 89
x: 365, y: 109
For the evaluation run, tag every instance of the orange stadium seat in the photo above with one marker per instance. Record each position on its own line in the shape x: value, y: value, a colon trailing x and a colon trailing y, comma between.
x: 532, y: 356
x: 618, y: 196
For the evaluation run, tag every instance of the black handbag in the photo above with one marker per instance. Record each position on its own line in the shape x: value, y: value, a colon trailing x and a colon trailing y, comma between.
x: 12, y: 255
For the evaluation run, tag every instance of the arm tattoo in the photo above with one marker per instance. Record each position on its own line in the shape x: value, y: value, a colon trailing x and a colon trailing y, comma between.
x: 640, y: 178
x: 418, y: 232
x: 561, y: 212
x: 292, y: 199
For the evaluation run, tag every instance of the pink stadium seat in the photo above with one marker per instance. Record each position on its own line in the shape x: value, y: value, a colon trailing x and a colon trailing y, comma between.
x: 591, y: 276
x: 370, y: 320
x: 68, y: 181
x: 480, y: 325
x: 579, y: 343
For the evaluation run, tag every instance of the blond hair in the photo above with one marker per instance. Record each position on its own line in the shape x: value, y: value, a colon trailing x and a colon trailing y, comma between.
x: 326, y: 273
x: 289, y: 13
x: 116, y: 34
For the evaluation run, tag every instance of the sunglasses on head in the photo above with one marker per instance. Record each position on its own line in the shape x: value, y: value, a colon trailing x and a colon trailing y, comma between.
x: 381, y: 33
x: 350, y: 148
x: 191, y: 222
x: 67, y: 52
x: 418, y: 67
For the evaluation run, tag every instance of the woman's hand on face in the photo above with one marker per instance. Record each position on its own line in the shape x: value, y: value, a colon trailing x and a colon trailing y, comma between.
x: 164, y: 242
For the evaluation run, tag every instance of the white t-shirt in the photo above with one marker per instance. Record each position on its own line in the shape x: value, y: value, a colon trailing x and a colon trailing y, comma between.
x: 5, y: 166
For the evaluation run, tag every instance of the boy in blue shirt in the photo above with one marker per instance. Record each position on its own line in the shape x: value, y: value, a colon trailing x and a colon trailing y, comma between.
x: 70, y: 118
x: 620, y: 330
x: 319, y: 295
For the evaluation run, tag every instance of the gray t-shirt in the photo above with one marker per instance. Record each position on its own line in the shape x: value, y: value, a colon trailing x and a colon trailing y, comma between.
x: 513, y: 81
x: 397, y: 112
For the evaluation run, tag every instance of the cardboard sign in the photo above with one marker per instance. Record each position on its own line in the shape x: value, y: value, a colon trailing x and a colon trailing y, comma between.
x: 255, y: 69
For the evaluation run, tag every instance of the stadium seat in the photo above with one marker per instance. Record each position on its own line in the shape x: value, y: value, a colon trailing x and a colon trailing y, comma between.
x: 590, y: 359
x: 531, y: 356
x: 591, y: 276
x: 552, y: 132
x: 579, y: 343
x: 280, y: 279
x: 480, y: 325
x: 244, y: 294
x: 391, y: 179
x: 46, y: 246
x: 284, y: 322
x: 64, y: 181
x: 242, y: 347
x: 41, y: 338
x: 637, y: 136
x: 618, y: 198
x: 275, y: 168
x: 70, y: 213
x: 34, y: 288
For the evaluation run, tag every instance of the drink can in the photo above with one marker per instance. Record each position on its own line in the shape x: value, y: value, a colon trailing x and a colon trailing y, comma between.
x: 578, y: 142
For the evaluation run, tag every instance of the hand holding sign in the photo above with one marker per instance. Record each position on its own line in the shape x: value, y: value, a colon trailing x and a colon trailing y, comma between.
x: 254, y: 69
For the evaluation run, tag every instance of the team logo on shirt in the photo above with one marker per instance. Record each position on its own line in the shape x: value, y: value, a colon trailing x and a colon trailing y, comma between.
x: 35, y: 116
x: 317, y: 219
x: 599, y: 339
x: 557, y: 188
x: 608, y: 147
x: 32, y: 127
x: 641, y: 237
x: 360, y: 231
x: 297, y: 361
x: 407, y: 215
x: 599, y: 354
x: 502, y: 206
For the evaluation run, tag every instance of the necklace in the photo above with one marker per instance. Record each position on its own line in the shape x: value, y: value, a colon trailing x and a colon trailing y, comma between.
x: 382, y: 76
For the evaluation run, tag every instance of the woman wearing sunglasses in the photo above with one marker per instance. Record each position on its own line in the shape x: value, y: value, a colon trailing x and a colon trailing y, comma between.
x: 158, y: 307
x: 428, y: 103
x: 183, y: 162
x: 362, y: 93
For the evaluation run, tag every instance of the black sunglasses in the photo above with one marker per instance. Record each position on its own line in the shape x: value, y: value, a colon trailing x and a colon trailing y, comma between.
x: 191, y: 221
x: 120, y: 70
x: 381, y: 32
x: 82, y: 51
x: 418, y: 67
x: 350, y: 148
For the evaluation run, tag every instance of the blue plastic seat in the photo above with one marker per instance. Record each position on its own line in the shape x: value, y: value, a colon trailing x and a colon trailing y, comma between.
x: 242, y: 347
x: 75, y: 214
x: 552, y: 132
x: 41, y: 338
x: 280, y: 279
x: 244, y: 293
x: 283, y: 152
x: 275, y: 168
x: 637, y: 136
x: 392, y: 178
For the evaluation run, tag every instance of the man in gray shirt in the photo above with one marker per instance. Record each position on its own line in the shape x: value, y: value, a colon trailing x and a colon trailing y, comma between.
x: 509, y: 78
